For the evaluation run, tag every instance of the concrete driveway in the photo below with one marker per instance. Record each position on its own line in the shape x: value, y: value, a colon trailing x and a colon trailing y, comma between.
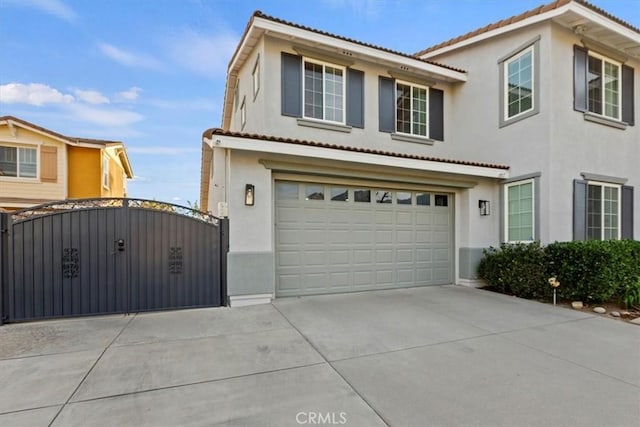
x: 439, y: 356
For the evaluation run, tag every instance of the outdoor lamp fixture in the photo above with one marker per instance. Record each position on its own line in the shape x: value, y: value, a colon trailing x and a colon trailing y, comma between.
x: 485, y: 207
x: 249, y: 194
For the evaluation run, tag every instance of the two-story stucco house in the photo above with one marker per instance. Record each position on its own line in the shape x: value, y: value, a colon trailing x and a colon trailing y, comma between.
x: 346, y: 167
x: 38, y: 165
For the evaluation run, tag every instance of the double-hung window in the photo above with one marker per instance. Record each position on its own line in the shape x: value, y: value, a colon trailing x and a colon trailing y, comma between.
x: 520, y: 211
x: 324, y: 91
x: 604, y: 95
x: 519, y: 88
x: 603, y: 88
x: 603, y: 211
x: 18, y: 162
x: 520, y: 83
x: 411, y: 109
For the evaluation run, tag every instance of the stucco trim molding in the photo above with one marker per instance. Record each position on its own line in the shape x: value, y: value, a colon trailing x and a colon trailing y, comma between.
x: 324, y: 125
x: 409, y: 138
x: 603, y: 178
x: 590, y: 117
x: 246, y: 300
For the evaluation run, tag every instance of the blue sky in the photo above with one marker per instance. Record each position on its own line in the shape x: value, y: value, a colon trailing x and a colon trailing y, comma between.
x: 151, y: 73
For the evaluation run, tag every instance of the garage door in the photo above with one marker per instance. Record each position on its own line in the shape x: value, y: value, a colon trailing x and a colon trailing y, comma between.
x: 338, y: 238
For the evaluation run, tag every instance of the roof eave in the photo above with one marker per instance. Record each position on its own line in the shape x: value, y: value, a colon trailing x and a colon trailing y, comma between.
x: 571, y: 7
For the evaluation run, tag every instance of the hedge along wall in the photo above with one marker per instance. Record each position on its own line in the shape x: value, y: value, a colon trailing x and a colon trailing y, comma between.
x: 589, y: 271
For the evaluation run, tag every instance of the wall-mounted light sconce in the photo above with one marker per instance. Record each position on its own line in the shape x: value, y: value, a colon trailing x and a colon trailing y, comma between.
x: 485, y: 207
x: 249, y: 194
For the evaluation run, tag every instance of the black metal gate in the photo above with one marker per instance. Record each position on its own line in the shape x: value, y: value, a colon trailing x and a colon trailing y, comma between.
x: 102, y: 256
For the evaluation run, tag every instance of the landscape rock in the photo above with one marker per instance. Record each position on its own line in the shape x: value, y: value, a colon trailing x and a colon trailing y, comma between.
x: 615, y: 314
x: 599, y: 310
x: 577, y: 305
x: 636, y: 321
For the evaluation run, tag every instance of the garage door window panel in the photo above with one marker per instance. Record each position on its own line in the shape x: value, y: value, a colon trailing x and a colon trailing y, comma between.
x: 314, y: 192
x: 286, y: 191
x: 384, y: 197
x: 362, y: 196
x: 339, y: 194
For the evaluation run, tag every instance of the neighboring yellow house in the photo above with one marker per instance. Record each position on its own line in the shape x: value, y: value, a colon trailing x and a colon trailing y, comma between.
x: 38, y: 165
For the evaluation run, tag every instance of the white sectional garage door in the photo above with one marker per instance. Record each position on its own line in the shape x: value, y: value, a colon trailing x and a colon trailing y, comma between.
x: 337, y: 238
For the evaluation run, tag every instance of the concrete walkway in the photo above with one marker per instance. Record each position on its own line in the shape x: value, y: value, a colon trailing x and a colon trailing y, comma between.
x: 439, y: 356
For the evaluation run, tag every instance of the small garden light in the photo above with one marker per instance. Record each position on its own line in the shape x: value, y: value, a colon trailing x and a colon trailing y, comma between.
x: 553, y: 281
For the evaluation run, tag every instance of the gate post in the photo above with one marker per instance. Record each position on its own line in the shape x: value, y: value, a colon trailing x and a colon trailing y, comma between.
x: 224, y: 249
x: 4, y: 261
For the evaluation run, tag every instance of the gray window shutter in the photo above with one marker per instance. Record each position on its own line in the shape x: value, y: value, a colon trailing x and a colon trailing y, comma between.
x: 580, y: 90
x: 628, y: 110
x: 291, y: 85
x: 386, y: 105
x: 627, y: 213
x: 436, y: 115
x: 579, y: 210
x: 355, y: 98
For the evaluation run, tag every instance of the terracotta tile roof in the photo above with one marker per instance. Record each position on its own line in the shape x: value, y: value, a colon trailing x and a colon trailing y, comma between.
x: 521, y: 17
x: 259, y: 14
x: 59, y: 135
x: 209, y: 133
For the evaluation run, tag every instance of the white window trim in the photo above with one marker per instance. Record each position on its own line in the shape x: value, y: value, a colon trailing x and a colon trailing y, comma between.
x: 602, y: 89
x: 255, y: 75
x: 619, y: 212
x: 505, y: 89
x: 30, y: 145
x: 324, y: 91
x: 412, y: 85
x: 243, y: 113
x: 533, y: 209
x: 105, y: 172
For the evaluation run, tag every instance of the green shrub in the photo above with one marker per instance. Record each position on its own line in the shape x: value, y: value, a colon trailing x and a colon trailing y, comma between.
x: 589, y: 271
x: 594, y: 270
x: 630, y: 295
x: 519, y: 269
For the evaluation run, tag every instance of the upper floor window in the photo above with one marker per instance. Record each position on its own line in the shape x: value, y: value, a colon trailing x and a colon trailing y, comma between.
x: 324, y: 91
x: 411, y: 109
x: 519, y: 84
x: 519, y: 97
x: 603, y: 88
x: 18, y: 162
x: 604, y: 96
x: 243, y: 113
x: 331, y: 95
x: 256, y: 78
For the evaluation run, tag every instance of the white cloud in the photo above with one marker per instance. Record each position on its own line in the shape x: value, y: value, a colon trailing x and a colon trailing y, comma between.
x: 90, y: 96
x: 33, y: 94
x: 105, y: 117
x: 130, y: 94
x: 53, y: 7
x: 206, y: 55
x: 130, y: 59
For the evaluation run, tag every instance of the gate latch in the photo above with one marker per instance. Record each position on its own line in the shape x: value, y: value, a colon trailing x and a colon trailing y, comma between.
x: 120, y: 245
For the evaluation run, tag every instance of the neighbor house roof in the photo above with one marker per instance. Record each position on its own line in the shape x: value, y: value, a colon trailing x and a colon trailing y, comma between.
x: 540, y: 10
x: 75, y: 141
